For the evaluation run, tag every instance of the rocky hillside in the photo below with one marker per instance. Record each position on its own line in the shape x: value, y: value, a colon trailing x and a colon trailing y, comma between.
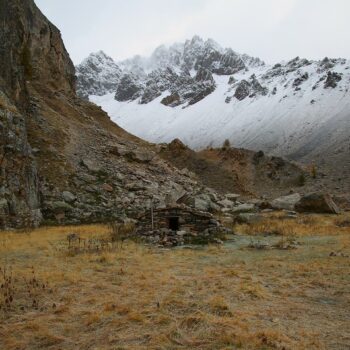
x: 62, y: 159
x: 229, y: 170
x: 204, y: 94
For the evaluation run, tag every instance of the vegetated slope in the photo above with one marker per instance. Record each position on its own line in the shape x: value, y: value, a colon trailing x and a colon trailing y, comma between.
x: 203, y: 94
x: 62, y: 159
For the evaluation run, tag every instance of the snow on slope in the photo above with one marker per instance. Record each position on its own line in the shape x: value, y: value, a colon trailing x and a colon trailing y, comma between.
x: 282, y: 122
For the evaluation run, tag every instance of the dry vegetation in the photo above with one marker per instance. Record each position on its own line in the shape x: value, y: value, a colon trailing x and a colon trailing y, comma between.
x: 306, y: 225
x: 137, y: 297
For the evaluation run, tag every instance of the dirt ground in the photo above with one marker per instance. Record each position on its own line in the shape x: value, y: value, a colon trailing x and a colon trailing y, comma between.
x: 211, y: 297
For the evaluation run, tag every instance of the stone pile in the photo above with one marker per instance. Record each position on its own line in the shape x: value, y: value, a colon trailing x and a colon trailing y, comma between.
x: 168, y: 238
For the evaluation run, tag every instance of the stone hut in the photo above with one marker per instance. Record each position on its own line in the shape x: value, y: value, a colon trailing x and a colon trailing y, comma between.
x: 177, y: 225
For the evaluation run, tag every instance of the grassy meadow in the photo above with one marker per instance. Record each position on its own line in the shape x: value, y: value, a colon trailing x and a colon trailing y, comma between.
x: 210, y: 297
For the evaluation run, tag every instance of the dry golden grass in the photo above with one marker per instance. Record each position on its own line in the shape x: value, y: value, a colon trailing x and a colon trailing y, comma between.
x: 145, y: 298
x: 313, y: 224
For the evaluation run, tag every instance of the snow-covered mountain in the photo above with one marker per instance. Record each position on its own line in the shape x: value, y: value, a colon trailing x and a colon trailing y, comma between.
x: 203, y: 94
x: 97, y: 75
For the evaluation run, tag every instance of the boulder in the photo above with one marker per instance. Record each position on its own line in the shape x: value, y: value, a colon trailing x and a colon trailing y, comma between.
x: 244, y: 208
x: 214, y: 207
x: 226, y: 203
x: 91, y: 165
x: 242, y: 91
x: 248, y: 218
x: 141, y: 156
x: 117, y: 149
x: 59, y: 206
x: 68, y: 197
x: 317, y: 203
x: 107, y: 187
x: 87, y: 178
x: 201, y: 204
x: 286, y: 202
x: 232, y: 196
x: 171, y: 100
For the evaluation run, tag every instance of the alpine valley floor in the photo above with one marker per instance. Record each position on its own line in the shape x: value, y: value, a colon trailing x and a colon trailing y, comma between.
x: 213, y: 297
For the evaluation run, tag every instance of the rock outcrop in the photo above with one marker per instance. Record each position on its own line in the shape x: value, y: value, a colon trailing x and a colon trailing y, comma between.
x: 128, y: 88
x: 31, y: 53
x: 317, y: 203
x: 286, y: 202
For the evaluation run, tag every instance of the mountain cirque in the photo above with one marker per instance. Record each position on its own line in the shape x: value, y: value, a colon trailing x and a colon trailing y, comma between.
x: 204, y: 94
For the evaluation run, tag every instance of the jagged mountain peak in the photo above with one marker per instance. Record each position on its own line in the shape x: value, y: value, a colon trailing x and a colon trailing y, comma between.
x: 98, y: 74
x: 146, y: 77
x: 100, y: 56
x: 195, y: 39
x: 180, y: 54
x: 212, y: 44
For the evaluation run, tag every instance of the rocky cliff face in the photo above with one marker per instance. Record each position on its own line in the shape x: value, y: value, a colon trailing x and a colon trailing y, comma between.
x: 31, y: 52
x: 19, y: 182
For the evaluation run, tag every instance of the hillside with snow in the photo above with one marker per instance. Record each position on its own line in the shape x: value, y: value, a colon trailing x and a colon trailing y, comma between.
x: 203, y: 94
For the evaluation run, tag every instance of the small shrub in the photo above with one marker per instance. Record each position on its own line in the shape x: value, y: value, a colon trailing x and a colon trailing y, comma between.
x: 120, y: 232
x: 22, y: 292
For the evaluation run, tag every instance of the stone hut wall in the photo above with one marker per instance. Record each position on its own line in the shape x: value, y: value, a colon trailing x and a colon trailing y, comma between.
x: 189, y: 220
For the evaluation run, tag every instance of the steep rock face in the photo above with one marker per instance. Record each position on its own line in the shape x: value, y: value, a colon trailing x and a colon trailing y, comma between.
x: 251, y: 88
x: 31, y: 51
x: 128, y: 88
x: 98, y: 75
x: 19, y: 183
x: 182, y: 87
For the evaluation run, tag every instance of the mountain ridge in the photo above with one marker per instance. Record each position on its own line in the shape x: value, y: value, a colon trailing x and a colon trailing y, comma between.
x: 282, y: 109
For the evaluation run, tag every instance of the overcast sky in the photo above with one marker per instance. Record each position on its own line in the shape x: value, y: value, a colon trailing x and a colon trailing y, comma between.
x: 273, y: 30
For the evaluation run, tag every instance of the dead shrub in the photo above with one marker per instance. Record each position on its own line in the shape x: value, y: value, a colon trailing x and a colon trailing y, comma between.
x: 120, y: 232
x: 20, y: 292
